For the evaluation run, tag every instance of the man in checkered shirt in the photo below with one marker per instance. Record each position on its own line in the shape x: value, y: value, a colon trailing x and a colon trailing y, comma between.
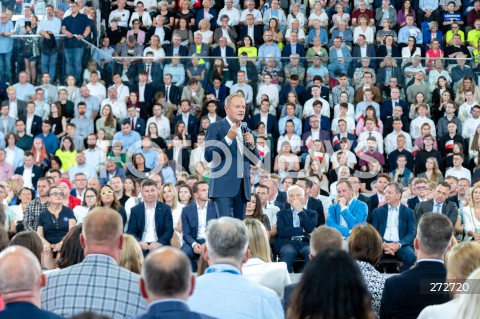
x: 96, y: 284
x: 38, y: 205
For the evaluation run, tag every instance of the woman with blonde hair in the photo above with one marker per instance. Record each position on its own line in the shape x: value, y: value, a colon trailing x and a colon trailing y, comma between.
x: 169, y: 196
x: 471, y: 215
x: 461, y: 260
x: 474, y: 146
x: 365, y: 245
x: 259, y: 267
x: 425, y: 129
x: 469, y: 302
x: 107, y: 122
x: 433, y: 173
x: 131, y: 257
x: 466, y: 84
x: 205, y: 32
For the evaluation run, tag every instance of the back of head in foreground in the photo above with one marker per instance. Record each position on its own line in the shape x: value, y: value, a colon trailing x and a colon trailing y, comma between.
x: 434, y: 233
x: 341, y: 295
x: 166, y: 274
x: 227, y: 242
x: 20, y: 276
x: 102, y: 233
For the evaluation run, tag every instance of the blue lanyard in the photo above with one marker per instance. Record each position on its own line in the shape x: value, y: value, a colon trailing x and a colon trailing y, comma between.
x: 213, y: 269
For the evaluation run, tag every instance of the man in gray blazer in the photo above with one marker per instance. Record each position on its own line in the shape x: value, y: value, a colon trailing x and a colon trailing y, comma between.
x: 7, y: 123
x: 439, y: 204
x: 18, y: 107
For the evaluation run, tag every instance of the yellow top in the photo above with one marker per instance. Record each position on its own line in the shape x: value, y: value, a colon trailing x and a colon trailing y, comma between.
x: 68, y: 159
x: 251, y: 51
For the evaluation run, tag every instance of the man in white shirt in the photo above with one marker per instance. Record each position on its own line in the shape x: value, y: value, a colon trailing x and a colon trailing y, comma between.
x: 195, y: 218
x: 119, y: 108
x: 80, y: 183
x: 121, y: 15
x: 458, y: 170
x: 244, y: 87
x: 391, y: 139
x: 50, y: 90
x: 257, y: 15
x: 96, y: 88
x: 416, y: 124
x: 94, y: 156
x: 370, y: 126
x: 232, y: 13
x: 123, y: 92
x: 465, y: 110
x: 471, y: 123
x: 268, y: 207
x: 308, y: 107
x: 163, y: 124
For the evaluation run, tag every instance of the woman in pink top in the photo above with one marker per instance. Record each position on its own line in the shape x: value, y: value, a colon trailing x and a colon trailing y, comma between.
x: 369, y: 113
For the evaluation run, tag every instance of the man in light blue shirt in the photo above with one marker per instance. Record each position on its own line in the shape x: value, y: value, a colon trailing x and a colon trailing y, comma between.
x: 410, y: 31
x: 269, y: 48
x: 48, y: 27
x: 177, y: 70
x: 93, y: 106
x: 127, y: 136
x: 150, y: 155
x: 25, y: 90
x: 222, y: 289
x: 361, y: 107
x: 6, y: 47
x: 297, y: 123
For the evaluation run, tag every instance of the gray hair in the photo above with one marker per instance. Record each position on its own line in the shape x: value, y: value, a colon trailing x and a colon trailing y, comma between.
x: 398, y: 187
x: 434, y: 232
x: 227, y: 238
x: 20, y: 270
x: 294, y: 187
x: 167, y: 276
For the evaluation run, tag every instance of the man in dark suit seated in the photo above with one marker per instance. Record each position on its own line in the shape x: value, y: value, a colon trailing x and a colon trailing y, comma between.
x: 29, y: 172
x: 407, y: 294
x: 195, y: 218
x: 166, y: 284
x: 21, y: 284
x: 369, y: 52
x: 151, y: 222
x: 310, y: 202
x: 33, y: 127
x: 294, y: 226
x: 250, y: 29
x: 137, y: 123
x: 145, y: 90
x: 171, y: 93
x: 272, y: 122
x: 439, y: 204
x: 293, y: 86
x: 188, y: 119
x: 294, y: 47
x: 461, y: 196
x: 419, y: 186
x: 218, y: 89
x: 176, y: 48
x: 224, y: 51
x: 388, y: 106
x: 396, y: 225
x: 158, y: 29
x: 149, y: 68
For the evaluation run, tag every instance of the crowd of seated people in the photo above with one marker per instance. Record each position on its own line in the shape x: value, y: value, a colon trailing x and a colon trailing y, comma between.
x: 360, y: 111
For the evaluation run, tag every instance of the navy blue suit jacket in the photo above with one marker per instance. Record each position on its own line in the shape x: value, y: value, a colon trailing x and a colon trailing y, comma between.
x: 222, y: 92
x: 351, y: 137
x: 287, y: 52
x: 213, y: 20
x: 412, y: 202
x: 406, y: 223
x: 191, y: 125
x: 37, y: 172
x: 36, y: 124
x: 286, y: 230
x: 140, y: 125
x: 370, y: 54
x: 300, y: 90
x: 229, y: 53
x: 190, y: 221
x: 281, y: 197
x: 172, y: 309
x: 257, y: 34
x: 163, y: 222
x: 156, y: 72
x: 16, y: 310
x: 182, y: 51
x: 174, y: 93
x: 386, y: 109
x: 148, y: 93
x: 272, y: 124
x: 315, y: 205
x: 230, y: 179
x: 325, y: 124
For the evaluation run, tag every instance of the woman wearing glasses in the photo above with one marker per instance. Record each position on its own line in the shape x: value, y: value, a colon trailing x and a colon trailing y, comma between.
x: 106, y: 198
x: 55, y: 222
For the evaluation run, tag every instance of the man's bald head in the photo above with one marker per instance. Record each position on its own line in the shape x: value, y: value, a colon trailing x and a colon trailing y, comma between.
x: 167, y: 273
x: 102, y: 232
x: 21, y: 273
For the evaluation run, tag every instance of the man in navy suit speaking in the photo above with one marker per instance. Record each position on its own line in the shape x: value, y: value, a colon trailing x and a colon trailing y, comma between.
x: 230, y: 149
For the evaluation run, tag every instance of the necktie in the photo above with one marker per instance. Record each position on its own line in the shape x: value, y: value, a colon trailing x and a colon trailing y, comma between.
x: 369, y: 134
x: 437, y: 208
x: 148, y: 70
x: 167, y: 97
x: 296, y: 220
x: 133, y: 124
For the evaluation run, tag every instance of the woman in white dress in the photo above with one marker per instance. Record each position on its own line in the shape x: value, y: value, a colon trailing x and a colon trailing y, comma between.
x: 471, y: 216
x: 89, y: 200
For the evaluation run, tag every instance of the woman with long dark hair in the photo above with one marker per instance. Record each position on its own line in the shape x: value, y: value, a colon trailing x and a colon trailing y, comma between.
x: 340, y: 294
x: 254, y: 210
x: 106, y: 198
x: 71, y: 251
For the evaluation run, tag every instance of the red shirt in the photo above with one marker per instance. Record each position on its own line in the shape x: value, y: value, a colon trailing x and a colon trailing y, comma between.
x: 73, y: 202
